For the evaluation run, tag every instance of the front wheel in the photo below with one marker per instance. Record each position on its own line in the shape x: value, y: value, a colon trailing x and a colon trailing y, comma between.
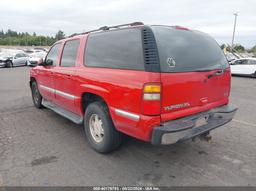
x: 99, y: 128
x: 36, y: 96
x: 9, y: 64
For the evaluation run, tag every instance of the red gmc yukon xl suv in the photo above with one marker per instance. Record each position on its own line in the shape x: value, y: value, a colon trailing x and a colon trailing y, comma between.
x: 160, y: 84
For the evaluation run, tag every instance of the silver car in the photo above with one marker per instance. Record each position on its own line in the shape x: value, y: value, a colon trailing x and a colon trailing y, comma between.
x: 13, y: 58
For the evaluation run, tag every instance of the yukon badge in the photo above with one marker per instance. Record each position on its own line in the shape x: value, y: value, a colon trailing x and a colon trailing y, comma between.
x: 177, y: 106
x: 171, y: 62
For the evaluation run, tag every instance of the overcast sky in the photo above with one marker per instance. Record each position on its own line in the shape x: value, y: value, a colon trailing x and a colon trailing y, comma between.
x: 211, y: 16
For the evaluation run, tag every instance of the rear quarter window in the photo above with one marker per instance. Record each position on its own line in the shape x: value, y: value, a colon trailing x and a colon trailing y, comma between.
x: 186, y: 50
x: 120, y: 49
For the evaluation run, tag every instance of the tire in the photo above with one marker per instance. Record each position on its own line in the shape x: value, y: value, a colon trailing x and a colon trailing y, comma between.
x: 36, y: 96
x: 9, y: 64
x: 109, y: 138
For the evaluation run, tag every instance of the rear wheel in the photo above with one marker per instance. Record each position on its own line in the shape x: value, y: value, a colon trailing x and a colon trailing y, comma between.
x: 36, y: 96
x: 99, y: 128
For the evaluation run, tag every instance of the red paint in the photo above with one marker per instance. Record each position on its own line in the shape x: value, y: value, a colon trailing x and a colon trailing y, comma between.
x: 194, y: 88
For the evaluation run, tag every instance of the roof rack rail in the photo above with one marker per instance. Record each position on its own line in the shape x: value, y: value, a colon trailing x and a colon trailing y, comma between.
x: 105, y: 28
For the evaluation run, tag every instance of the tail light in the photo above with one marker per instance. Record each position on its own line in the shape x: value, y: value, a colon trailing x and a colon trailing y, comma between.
x: 151, y: 103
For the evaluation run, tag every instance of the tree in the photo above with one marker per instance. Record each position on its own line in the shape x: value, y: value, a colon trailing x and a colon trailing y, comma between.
x: 11, y: 33
x: 1, y: 33
x: 239, y: 48
x: 25, y: 39
x: 253, y: 50
x: 60, y: 35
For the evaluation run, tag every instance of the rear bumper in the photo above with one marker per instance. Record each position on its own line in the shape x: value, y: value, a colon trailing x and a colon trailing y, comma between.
x: 192, y: 126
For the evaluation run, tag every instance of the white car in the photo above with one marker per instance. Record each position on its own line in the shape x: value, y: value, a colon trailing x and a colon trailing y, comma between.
x: 36, y: 57
x: 244, y: 66
x: 32, y: 51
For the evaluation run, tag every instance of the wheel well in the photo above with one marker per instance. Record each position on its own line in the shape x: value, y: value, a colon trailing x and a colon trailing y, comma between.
x: 88, y: 98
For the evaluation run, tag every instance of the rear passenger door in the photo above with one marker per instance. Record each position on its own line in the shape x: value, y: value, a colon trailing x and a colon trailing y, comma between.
x: 235, y: 67
x: 64, y: 78
x: 240, y: 67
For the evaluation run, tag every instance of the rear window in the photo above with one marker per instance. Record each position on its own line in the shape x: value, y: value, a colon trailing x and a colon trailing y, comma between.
x: 121, y: 49
x: 185, y: 50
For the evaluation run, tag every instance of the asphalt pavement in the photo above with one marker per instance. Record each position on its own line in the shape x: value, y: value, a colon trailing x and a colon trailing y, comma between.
x: 41, y: 148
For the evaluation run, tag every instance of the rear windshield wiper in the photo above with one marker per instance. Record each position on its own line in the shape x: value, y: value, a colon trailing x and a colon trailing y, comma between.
x: 206, y: 70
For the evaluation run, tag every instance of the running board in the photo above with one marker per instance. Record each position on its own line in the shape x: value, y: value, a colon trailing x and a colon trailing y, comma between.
x: 63, y: 112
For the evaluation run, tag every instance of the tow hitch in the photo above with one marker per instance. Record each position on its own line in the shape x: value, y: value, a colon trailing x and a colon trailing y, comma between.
x: 204, y: 137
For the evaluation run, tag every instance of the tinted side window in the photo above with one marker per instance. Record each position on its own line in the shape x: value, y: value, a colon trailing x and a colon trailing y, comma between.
x: 252, y: 62
x: 115, y: 49
x: 18, y: 55
x: 244, y: 62
x: 53, y: 54
x: 70, y: 53
x: 237, y: 62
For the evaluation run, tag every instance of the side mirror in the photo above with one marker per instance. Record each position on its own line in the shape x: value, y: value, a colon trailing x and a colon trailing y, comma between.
x: 48, y: 62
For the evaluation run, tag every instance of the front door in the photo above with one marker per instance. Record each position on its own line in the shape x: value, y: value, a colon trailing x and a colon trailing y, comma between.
x: 17, y: 60
x: 46, y: 73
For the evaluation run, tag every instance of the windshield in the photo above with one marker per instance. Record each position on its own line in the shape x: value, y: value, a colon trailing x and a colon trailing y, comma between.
x: 186, y: 50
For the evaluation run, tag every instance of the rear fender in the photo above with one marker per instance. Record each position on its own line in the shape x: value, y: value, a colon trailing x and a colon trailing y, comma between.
x: 93, y: 89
